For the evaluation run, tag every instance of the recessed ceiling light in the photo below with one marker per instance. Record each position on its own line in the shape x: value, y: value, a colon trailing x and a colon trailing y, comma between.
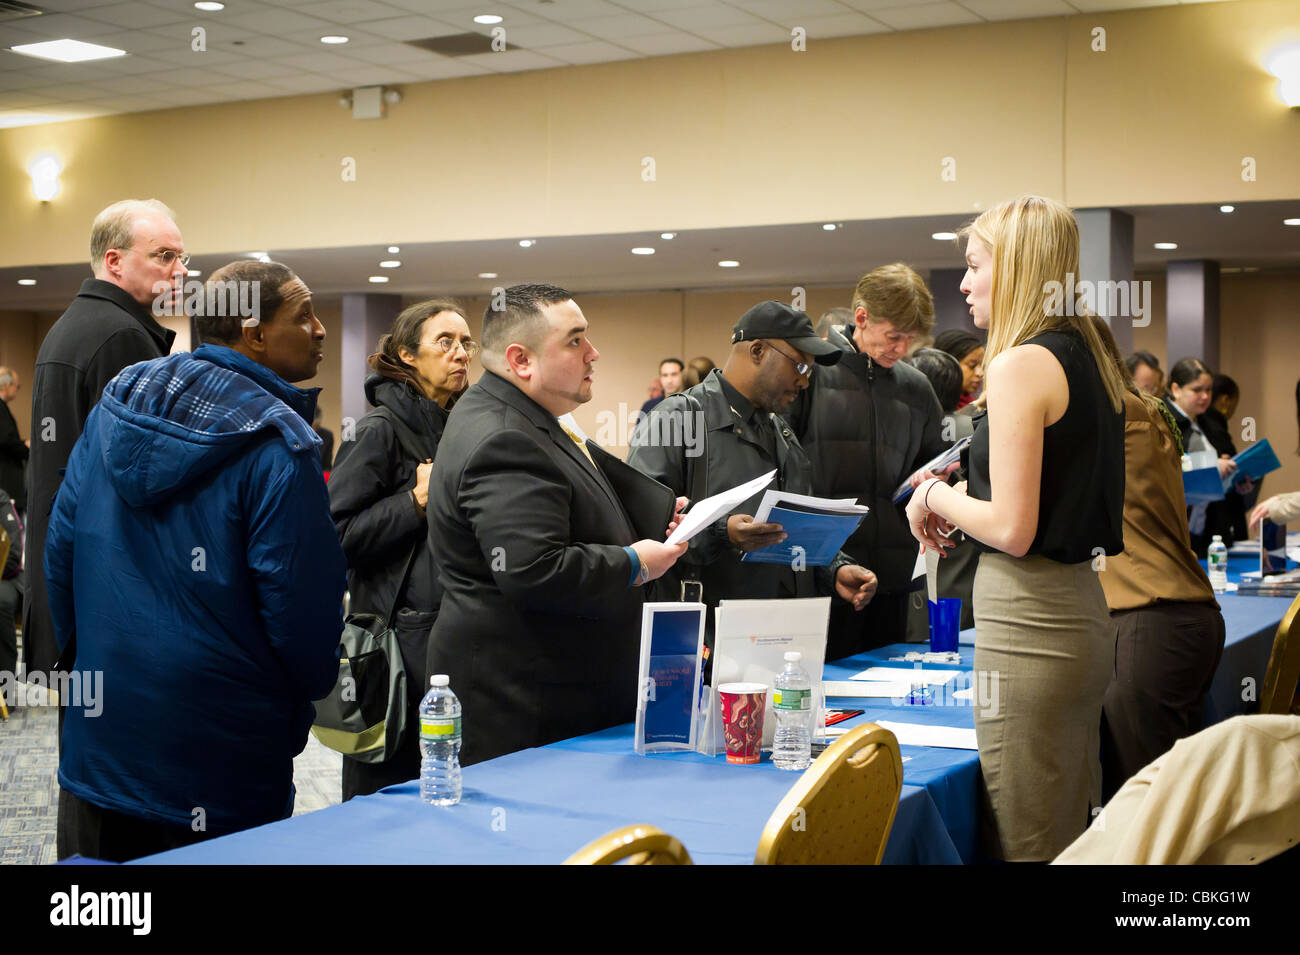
x: 390, y: 264
x: 260, y: 256
x: 728, y: 264
x: 193, y: 273
x: 669, y: 236
x: 643, y: 250
x: 1291, y: 221
x: 334, y: 39
x: 829, y: 226
x: 1226, y: 269
x: 393, y: 250
x: 379, y: 279
x: 27, y: 281
x: 1166, y: 245
x: 67, y: 51
x: 1227, y: 208
x: 487, y: 18
x: 943, y: 236
x: 525, y: 243
x: 487, y: 275
x: 209, y: 6
x: 1251, y: 268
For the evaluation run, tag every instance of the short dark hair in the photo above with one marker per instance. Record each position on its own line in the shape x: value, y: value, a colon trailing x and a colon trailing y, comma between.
x: 218, y: 318
x: 1139, y: 358
x: 1223, y: 385
x: 519, y: 318
x: 681, y: 365
x: 957, y: 342
x: 1187, y: 370
x: 944, y: 373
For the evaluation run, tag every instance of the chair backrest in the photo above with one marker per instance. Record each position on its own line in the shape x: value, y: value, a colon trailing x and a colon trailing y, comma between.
x: 634, y: 845
x: 842, y: 808
x: 1278, y: 695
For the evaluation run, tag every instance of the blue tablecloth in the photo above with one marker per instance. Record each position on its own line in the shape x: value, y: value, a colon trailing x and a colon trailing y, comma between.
x: 540, y: 805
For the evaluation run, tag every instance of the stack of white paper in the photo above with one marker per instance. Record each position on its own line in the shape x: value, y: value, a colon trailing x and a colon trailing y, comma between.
x: 919, y: 734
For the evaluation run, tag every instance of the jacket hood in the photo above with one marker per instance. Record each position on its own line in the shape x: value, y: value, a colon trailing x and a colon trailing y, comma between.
x: 842, y: 338
x: 166, y: 423
x: 421, y: 413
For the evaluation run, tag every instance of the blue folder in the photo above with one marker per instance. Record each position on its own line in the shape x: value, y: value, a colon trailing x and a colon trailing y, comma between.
x: 820, y: 535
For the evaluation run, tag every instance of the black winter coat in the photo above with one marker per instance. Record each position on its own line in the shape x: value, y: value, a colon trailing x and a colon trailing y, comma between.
x: 102, y: 332
x: 370, y: 501
x: 13, y: 459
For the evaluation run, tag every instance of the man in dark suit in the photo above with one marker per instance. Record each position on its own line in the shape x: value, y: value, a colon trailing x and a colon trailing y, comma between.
x: 13, y: 449
x: 539, y: 628
x: 138, y: 258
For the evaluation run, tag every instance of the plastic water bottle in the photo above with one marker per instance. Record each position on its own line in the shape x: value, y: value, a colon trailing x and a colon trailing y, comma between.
x: 792, y: 706
x: 440, y: 744
x: 1218, y: 563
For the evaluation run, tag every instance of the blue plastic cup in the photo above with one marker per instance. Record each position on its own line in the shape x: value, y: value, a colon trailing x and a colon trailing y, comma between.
x: 945, y: 624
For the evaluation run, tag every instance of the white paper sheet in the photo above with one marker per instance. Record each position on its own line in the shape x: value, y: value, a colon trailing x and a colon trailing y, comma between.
x: 904, y: 675
x: 864, y: 691
x: 705, y: 512
x: 920, y: 734
x: 827, y: 505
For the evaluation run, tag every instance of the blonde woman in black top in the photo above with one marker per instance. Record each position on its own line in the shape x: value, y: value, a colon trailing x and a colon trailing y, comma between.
x: 1045, y: 506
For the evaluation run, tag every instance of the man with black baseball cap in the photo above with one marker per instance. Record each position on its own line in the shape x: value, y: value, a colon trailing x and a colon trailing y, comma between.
x: 727, y: 430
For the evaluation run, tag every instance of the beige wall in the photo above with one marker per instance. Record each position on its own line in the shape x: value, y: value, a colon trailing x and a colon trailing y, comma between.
x: 854, y: 128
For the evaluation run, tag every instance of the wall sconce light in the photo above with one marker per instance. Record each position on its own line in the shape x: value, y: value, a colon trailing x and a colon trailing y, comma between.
x: 44, y: 170
x: 1285, y: 65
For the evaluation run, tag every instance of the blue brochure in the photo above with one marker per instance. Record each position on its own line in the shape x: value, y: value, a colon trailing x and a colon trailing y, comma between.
x: 672, y: 641
x: 819, y: 537
x: 1257, y: 460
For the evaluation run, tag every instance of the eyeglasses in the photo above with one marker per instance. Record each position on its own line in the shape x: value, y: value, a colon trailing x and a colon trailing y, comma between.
x: 802, y: 367
x: 165, y: 256
x: 447, y: 345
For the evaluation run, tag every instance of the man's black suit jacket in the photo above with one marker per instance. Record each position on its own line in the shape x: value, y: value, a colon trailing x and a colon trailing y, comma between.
x: 538, y: 630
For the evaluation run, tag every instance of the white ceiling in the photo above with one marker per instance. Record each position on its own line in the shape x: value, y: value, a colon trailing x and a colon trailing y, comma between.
x: 268, y: 48
x: 1251, y: 238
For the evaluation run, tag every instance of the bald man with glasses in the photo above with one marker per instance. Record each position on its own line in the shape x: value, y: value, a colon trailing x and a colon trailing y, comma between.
x: 139, y: 263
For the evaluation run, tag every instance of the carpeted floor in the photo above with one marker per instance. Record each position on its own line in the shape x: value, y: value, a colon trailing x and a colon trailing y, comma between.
x: 29, y: 787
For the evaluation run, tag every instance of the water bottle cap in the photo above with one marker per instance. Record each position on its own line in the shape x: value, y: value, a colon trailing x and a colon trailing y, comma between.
x: 439, y: 679
x: 793, y: 656
x: 1218, y: 538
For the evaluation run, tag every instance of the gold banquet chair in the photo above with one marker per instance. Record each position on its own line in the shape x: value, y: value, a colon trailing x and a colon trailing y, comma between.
x: 1278, y: 695
x: 634, y: 845
x: 841, y: 809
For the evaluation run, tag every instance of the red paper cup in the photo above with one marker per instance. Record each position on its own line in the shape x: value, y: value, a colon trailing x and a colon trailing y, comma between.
x: 742, y: 720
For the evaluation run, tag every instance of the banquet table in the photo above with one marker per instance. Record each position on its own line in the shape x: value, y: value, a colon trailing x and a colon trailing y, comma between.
x: 541, y: 805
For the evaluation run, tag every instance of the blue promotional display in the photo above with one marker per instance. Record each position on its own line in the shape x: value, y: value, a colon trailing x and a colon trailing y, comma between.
x: 672, y: 642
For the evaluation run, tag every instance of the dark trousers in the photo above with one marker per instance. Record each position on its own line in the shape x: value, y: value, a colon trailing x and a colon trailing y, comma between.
x: 9, y: 600
x: 880, y: 623
x: 94, y: 832
x: 1165, y: 658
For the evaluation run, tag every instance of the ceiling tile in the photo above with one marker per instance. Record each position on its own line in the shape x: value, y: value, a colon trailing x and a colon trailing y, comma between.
x: 1102, y: 6
x: 512, y: 61
x: 846, y: 24
x: 304, y: 83
x: 372, y: 76
x: 462, y: 16
x: 198, y: 60
x: 133, y: 15
x: 60, y: 25
x: 249, y: 90
x: 923, y: 16
x: 666, y: 43
x: 654, y: 6
x: 280, y: 21
x: 66, y: 6
x: 320, y: 62
x: 187, y: 96
x: 21, y: 99
x: 64, y: 92
x: 11, y: 34
x: 756, y: 35
x: 571, y: 12
x: 705, y: 16
x: 434, y: 8
x: 412, y: 28
x: 133, y: 84
x: 349, y: 11
x: 257, y: 70
x: 441, y: 68
x: 214, y: 34
x: 592, y: 51
x: 534, y: 35
x: 198, y: 77
x: 16, y: 61
x: 138, y: 41
x: 782, y: 11
x: 619, y: 27
x: 266, y: 48
x: 1018, y: 9
x: 395, y: 53
x: 128, y: 65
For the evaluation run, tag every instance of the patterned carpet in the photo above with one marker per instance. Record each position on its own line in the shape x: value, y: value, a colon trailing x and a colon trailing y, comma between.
x: 29, y: 788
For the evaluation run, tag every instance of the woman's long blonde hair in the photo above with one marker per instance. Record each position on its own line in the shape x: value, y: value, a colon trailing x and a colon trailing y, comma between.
x: 1034, y: 242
